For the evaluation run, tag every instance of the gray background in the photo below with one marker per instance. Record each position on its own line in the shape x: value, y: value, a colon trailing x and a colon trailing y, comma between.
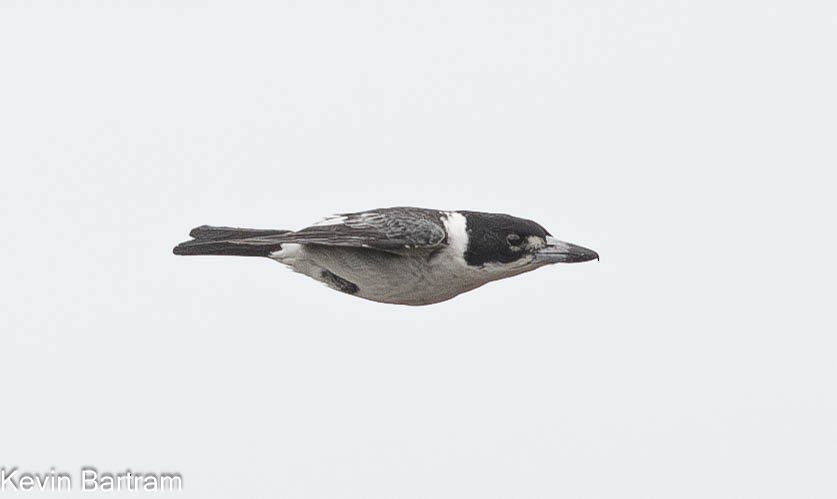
x: 688, y: 142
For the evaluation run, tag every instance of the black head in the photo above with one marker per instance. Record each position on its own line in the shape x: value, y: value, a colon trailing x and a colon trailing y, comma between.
x: 507, y: 241
x: 499, y: 238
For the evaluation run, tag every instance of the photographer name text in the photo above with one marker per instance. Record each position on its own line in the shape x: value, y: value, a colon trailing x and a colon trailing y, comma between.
x: 88, y: 478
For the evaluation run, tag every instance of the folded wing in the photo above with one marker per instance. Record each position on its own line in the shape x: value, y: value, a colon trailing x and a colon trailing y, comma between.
x: 389, y: 229
x: 384, y: 229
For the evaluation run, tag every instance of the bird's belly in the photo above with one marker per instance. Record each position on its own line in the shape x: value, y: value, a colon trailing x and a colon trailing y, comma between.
x: 386, y: 277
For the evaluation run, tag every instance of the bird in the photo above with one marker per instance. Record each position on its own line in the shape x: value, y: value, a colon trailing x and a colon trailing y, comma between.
x: 399, y: 255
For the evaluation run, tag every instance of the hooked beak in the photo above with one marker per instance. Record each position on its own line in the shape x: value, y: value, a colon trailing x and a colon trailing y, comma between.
x: 557, y: 251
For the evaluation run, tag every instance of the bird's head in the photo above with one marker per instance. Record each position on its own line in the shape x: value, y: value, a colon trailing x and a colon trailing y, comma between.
x: 505, y: 245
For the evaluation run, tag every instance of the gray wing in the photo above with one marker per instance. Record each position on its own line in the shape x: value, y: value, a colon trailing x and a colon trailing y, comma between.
x: 390, y: 229
x: 385, y: 229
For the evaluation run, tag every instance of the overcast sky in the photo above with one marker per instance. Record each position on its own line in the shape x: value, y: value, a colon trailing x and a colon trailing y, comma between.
x: 692, y: 144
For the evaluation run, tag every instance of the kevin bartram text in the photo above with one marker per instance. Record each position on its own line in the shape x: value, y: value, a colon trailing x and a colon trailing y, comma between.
x: 88, y: 478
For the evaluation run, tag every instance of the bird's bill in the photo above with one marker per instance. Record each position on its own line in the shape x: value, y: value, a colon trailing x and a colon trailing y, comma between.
x: 557, y: 251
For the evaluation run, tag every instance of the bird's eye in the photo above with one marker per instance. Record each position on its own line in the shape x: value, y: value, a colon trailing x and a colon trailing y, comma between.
x: 513, y: 239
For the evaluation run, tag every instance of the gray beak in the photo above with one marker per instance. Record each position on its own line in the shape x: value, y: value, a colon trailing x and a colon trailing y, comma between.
x: 557, y: 251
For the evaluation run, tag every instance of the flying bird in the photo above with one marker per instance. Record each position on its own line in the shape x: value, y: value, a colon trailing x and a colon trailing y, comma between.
x: 408, y: 256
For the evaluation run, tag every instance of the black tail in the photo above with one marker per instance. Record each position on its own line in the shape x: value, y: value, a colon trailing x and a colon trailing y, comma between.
x: 210, y: 240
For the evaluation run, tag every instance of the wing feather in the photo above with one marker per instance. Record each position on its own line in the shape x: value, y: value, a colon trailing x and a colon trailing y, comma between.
x: 385, y: 229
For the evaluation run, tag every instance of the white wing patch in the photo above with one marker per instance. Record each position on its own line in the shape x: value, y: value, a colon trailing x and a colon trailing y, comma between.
x: 332, y: 220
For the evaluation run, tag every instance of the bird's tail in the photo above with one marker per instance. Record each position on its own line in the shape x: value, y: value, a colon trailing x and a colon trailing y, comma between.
x: 209, y: 240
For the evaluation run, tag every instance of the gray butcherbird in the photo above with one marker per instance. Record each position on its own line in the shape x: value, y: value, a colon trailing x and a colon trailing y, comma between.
x: 409, y: 256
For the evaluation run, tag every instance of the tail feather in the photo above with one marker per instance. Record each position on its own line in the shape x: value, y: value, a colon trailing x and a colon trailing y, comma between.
x: 209, y: 240
x: 212, y: 232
